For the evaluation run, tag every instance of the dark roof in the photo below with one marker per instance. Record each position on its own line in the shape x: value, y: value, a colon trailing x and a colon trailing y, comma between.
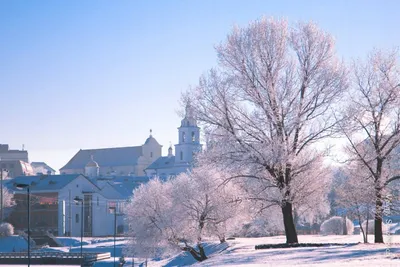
x: 42, y: 182
x: 105, y: 157
x: 162, y: 162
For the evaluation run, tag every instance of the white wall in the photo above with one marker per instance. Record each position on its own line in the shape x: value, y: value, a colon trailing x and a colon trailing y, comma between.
x: 68, y: 193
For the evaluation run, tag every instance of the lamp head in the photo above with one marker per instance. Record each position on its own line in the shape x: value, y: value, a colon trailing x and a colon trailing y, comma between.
x: 78, y: 199
x: 21, y: 186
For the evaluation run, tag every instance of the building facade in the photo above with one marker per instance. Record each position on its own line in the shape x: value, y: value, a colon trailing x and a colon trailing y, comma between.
x: 114, y: 161
x: 186, y: 149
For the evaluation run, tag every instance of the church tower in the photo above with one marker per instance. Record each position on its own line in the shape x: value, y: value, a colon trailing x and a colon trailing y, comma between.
x: 92, y: 168
x: 189, y: 138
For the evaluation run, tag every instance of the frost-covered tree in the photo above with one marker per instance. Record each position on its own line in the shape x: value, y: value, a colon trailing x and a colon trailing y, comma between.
x: 336, y: 226
x: 8, y: 201
x: 356, y: 195
x: 268, y: 104
x: 177, y: 214
x: 6, y: 229
x: 373, y: 124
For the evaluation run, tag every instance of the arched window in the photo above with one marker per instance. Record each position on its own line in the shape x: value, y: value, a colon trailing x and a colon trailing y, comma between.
x: 181, y: 155
x: 183, y: 136
x: 151, y: 154
x: 193, y: 137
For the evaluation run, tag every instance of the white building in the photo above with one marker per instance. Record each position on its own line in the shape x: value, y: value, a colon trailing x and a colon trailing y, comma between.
x: 116, y: 160
x: 53, y: 207
x: 187, y: 147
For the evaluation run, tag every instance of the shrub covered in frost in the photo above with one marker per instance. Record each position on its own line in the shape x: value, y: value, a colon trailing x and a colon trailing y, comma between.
x: 371, y: 227
x: 334, y: 226
x: 6, y: 229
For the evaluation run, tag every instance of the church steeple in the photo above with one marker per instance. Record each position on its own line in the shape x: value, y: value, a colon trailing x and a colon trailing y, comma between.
x: 189, y: 137
x: 170, y: 150
x: 189, y: 119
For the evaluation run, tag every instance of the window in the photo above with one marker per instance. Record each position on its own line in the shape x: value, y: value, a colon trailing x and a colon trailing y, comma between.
x: 151, y: 154
x: 193, y: 137
x: 77, y: 218
x: 181, y: 155
x: 97, y: 201
x: 183, y: 136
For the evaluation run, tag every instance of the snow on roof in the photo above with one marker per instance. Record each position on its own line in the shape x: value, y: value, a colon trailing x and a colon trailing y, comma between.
x: 124, y: 185
x: 105, y: 157
x: 42, y: 182
x: 162, y: 162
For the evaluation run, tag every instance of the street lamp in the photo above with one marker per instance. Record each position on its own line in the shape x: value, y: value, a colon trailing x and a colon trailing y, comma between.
x: 22, y: 186
x: 80, y: 200
x: 115, y: 226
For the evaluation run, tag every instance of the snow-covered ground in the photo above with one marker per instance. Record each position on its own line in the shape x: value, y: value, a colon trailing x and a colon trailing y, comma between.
x: 241, y: 252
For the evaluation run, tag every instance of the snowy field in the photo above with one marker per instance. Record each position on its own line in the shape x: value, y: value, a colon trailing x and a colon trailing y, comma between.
x: 241, y: 252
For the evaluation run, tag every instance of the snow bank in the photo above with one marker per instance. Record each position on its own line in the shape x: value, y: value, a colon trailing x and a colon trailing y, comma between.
x: 13, y: 243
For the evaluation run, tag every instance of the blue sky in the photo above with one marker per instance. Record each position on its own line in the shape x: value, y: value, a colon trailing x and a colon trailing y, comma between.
x: 91, y: 74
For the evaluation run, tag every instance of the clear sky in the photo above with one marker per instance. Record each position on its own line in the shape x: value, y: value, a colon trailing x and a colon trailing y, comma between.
x: 92, y: 74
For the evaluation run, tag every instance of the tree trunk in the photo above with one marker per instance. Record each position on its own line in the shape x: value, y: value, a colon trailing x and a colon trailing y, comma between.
x: 344, y: 225
x: 290, y: 229
x: 202, y: 252
x: 378, y: 219
x: 197, y: 255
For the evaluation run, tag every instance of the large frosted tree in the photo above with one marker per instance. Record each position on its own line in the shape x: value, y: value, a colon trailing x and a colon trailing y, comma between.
x: 267, y: 106
x: 372, y: 127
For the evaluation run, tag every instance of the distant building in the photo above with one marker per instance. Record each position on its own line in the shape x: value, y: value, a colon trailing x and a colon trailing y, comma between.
x: 187, y: 147
x: 53, y: 207
x: 116, y: 160
x: 15, y: 162
x: 13, y: 154
x: 16, y: 168
x: 42, y: 168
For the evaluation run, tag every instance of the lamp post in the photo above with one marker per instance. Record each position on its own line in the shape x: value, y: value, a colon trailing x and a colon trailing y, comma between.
x: 115, y: 226
x: 22, y: 186
x: 80, y: 200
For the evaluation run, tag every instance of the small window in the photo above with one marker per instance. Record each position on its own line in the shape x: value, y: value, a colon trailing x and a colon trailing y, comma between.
x: 151, y: 154
x: 183, y: 136
x: 181, y: 155
x: 193, y: 137
x: 97, y: 201
x: 77, y: 218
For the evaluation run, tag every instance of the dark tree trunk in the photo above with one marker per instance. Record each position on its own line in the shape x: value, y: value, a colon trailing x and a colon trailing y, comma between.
x: 378, y: 219
x: 290, y: 229
x: 202, y: 252
x: 344, y: 225
x: 197, y: 255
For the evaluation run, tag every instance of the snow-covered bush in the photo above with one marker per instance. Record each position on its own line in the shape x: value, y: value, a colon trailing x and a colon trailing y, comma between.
x: 371, y: 226
x: 267, y: 223
x: 166, y: 217
x: 6, y: 229
x: 334, y: 226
